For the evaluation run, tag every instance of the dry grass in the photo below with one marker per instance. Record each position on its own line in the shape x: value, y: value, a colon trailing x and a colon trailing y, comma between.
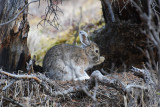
x: 30, y: 93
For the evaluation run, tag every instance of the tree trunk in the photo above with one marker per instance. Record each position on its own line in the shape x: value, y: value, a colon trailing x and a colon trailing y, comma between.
x: 121, y: 41
x: 13, y: 36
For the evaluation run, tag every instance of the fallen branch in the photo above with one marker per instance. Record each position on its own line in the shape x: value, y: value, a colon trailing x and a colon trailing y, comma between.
x: 21, y: 76
x: 114, y: 83
x: 48, y: 84
x: 145, y: 74
x: 64, y: 92
x: 46, y: 88
x: 72, y: 89
x: 43, y: 78
x: 128, y: 87
x: 93, y: 97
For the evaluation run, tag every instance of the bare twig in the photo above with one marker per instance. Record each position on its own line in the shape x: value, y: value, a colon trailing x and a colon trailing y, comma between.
x: 10, y: 84
x: 30, y: 65
x: 77, y: 27
x: 2, y: 82
x: 15, y: 17
x: 45, y: 79
x: 13, y: 101
x: 1, y: 101
x: 51, y: 15
x: 95, y: 92
x: 85, y: 90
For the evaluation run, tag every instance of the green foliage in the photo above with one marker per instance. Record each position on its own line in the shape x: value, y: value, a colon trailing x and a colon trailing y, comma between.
x: 158, y: 93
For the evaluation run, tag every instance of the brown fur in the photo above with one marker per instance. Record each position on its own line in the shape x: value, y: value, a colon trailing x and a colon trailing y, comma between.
x: 67, y: 62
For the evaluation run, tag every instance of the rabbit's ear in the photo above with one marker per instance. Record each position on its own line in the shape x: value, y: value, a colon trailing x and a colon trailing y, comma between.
x: 84, y: 38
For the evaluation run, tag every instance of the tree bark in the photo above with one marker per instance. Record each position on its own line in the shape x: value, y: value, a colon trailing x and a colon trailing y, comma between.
x: 121, y: 45
x: 13, y: 36
x: 122, y: 41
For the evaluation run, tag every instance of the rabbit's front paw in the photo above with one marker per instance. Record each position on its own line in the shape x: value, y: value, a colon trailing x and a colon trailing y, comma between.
x: 102, y: 59
x: 82, y: 78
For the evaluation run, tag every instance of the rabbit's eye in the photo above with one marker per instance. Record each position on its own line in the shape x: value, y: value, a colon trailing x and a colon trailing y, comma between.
x: 96, y: 51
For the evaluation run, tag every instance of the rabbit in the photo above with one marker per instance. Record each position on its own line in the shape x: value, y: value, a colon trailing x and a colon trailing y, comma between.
x: 69, y: 62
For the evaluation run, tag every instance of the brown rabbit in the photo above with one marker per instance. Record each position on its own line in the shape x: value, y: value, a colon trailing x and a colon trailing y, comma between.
x: 69, y: 62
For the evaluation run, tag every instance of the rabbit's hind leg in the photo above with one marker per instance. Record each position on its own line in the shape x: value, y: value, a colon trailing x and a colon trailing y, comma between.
x: 84, y: 77
x: 56, y: 74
